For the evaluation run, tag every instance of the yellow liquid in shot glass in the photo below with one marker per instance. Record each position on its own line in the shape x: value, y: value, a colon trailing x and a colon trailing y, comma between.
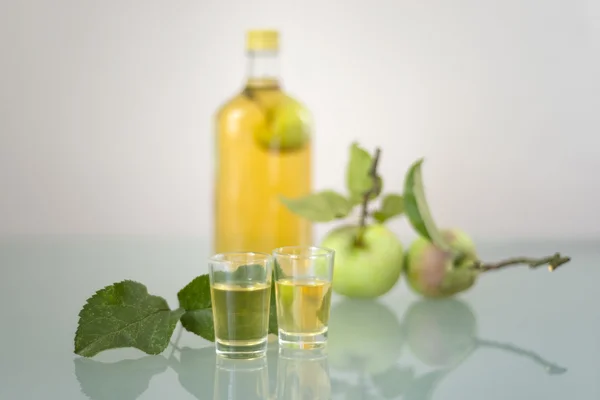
x: 241, y: 312
x: 303, y: 306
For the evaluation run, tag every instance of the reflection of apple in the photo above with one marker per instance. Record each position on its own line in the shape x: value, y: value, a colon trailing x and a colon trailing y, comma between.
x: 363, y: 336
x: 440, y: 333
x: 432, y: 272
x: 367, y: 271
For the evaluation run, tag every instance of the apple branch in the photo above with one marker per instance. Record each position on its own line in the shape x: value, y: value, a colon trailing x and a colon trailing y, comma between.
x: 553, y: 262
x: 366, y: 196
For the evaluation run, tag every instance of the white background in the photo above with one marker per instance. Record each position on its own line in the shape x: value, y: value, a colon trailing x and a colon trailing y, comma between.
x: 106, y: 107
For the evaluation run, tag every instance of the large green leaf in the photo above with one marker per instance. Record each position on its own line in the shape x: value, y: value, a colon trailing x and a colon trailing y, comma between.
x: 417, y: 210
x: 200, y: 322
x: 125, y: 315
x: 391, y: 206
x: 195, y: 299
x: 324, y: 206
x: 358, y: 180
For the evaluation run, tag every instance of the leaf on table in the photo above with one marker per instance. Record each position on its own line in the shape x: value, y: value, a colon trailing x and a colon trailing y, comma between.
x: 417, y: 209
x: 196, y: 294
x: 125, y: 315
x: 195, y: 299
x: 358, y: 180
x: 200, y: 322
x: 127, y: 379
x: 391, y: 206
x: 324, y: 206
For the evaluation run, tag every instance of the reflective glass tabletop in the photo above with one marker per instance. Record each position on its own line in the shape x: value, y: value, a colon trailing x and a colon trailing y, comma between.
x: 518, y: 334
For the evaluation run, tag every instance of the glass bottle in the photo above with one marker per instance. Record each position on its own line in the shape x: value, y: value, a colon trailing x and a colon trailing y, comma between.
x: 263, y: 145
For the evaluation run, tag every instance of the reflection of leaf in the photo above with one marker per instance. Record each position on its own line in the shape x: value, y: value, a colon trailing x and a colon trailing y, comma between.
x: 123, y: 380
x: 392, y: 205
x: 196, y: 371
x: 195, y: 299
x: 423, y: 387
x: 125, y: 315
x: 338, y: 386
x: 394, y: 382
x: 417, y: 210
x: 323, y: 311
x: 550, y: 367
x: 324, y: 206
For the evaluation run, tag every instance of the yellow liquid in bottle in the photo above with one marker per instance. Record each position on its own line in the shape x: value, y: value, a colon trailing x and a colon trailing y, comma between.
x: 251, y: 176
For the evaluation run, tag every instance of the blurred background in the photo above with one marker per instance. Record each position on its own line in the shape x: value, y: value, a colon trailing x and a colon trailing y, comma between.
x: 106, y: 108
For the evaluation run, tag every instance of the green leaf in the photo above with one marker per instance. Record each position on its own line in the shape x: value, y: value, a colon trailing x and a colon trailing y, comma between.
x: 251, y: 272
x: 324, y: 206
x: 279, y: 273
x: 358, y: 180
x: 196, y: 294
x: 391, y: 206
x: 417, y: 210
x: 200, y: 322
x: 273, y: 327
x: 195, y: 299
x: 125, y: 315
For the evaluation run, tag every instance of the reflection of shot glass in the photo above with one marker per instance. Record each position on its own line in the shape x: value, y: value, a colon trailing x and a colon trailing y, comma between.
x: 303, y: 290
x: 303, y: 375
x: 240, y: 288
x: 241, y: 379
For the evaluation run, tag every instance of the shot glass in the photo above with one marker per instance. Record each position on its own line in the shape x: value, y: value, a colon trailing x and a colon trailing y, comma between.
x: 240, y: 289
x: 303, y: 291
x: 241, y: 379
x: 303, y: 375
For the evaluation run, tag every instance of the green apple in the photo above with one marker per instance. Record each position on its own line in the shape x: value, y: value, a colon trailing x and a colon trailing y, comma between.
x: 364, y: 336
x: 432, y: 272
x: 440, y: 332
x: 366, y: 271
x: 287, y: 128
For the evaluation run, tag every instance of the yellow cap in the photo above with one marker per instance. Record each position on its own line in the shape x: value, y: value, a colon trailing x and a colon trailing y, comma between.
x: 262, y: 40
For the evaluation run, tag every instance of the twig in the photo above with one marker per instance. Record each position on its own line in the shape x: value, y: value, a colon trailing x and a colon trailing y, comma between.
x: 548, y: 366
x: 553, y: 262
x: 175, y: 345
x: 366, y: 196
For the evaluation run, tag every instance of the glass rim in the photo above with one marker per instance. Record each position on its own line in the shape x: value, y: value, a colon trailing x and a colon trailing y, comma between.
x: 322, y: 252
x: 223, y: 257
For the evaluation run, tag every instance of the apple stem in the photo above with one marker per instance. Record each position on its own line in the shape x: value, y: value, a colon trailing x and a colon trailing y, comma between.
x: 365, y: 201
x: 547, y: 365
x: 553, y: 262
